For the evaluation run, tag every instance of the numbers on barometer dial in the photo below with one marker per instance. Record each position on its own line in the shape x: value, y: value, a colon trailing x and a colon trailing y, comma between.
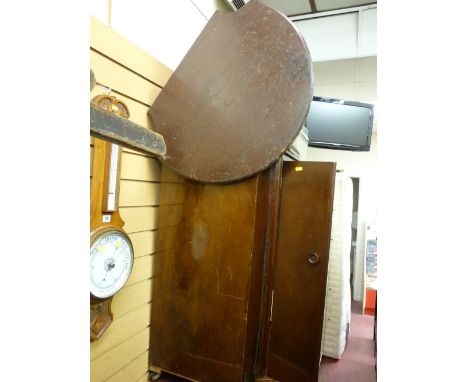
x: 111, y: 263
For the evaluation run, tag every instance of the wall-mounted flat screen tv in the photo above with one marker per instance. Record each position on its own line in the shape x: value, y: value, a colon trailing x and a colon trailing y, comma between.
x: 339, y: 124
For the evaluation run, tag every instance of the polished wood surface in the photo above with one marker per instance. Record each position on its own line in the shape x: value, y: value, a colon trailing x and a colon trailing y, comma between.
x: 238, y: 98
x: 107, y: 126
x: 236, y: 298
x: 299, y: 286
x: 268, y: 193
x: 100, y: 310
x: 100, y: 318
x: 201, y: 299
x: 100, y: 171
x: 269, y: 241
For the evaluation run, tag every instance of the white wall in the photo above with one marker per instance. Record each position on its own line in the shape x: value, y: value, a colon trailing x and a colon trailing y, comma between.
x: 99, y: 9
x: 353, y: 79
x: 164, y: 29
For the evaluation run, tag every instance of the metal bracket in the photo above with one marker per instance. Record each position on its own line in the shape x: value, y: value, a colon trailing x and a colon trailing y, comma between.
x: 115, y: 129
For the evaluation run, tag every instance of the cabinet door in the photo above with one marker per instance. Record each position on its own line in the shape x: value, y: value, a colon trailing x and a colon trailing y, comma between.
x: 301, y: 271
x: 201, y: 297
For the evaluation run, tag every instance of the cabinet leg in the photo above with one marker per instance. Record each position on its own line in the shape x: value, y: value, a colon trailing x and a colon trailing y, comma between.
x: 154, y: 375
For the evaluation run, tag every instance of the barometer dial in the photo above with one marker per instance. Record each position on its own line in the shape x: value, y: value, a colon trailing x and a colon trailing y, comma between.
x: 110, y: 263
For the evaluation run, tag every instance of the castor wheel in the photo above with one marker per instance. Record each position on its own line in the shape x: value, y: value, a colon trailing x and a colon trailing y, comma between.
x: 154, y: 376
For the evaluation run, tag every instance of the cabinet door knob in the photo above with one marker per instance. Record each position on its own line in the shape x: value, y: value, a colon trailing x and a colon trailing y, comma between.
x: 313, y: 258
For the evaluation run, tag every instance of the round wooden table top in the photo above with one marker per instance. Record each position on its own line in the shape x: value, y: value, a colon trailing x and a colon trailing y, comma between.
x: 238, y: 98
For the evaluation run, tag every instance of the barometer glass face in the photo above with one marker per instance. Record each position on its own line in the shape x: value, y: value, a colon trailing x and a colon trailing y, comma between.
x: 110, y: 264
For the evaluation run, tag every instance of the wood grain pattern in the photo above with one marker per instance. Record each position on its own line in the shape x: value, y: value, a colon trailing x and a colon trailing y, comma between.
x: 174, y: 218
x: 238, y: 98
x: 201, y: 297
x: 170, y: 176
x: 174, y: 194
x: 234, y: 246
x: 258, y: 319
x: 270, y: 246
x: 299, y: 287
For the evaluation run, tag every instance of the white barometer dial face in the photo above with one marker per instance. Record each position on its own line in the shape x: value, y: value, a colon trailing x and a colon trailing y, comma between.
x: 110, y: 264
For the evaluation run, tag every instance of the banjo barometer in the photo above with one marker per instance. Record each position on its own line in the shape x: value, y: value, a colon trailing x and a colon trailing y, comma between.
x: 111, y: 250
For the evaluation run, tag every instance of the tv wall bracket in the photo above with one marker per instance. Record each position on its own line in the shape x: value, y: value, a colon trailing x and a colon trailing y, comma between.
x: 234, y: 104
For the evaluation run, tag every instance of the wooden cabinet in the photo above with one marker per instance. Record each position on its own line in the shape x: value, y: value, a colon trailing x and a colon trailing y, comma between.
x: 240, y: 280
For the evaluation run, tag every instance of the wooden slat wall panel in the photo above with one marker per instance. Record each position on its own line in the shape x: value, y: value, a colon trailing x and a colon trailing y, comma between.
x: 139, y: 219
x: 143, y: 268
x: 122, y: 329
x: 122, y: 80
x: 139, y: 167
x: 123, y: 51
x: 144, y: 243
x: 131, y: 297
x: 134, y: 371
x: 138, y: 194
x: 121, y: 355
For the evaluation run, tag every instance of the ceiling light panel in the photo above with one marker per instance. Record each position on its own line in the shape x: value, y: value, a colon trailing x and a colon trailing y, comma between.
x: 290, y: 7
x: 329, y: 5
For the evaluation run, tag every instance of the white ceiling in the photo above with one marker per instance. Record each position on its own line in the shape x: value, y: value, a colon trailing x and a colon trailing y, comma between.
x: 290, y: 7
x: 339, y: 36
x: 298, y: 7
x: 327, y: 5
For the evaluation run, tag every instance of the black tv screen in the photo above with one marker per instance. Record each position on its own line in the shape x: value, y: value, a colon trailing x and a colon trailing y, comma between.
x: 339, y: 124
